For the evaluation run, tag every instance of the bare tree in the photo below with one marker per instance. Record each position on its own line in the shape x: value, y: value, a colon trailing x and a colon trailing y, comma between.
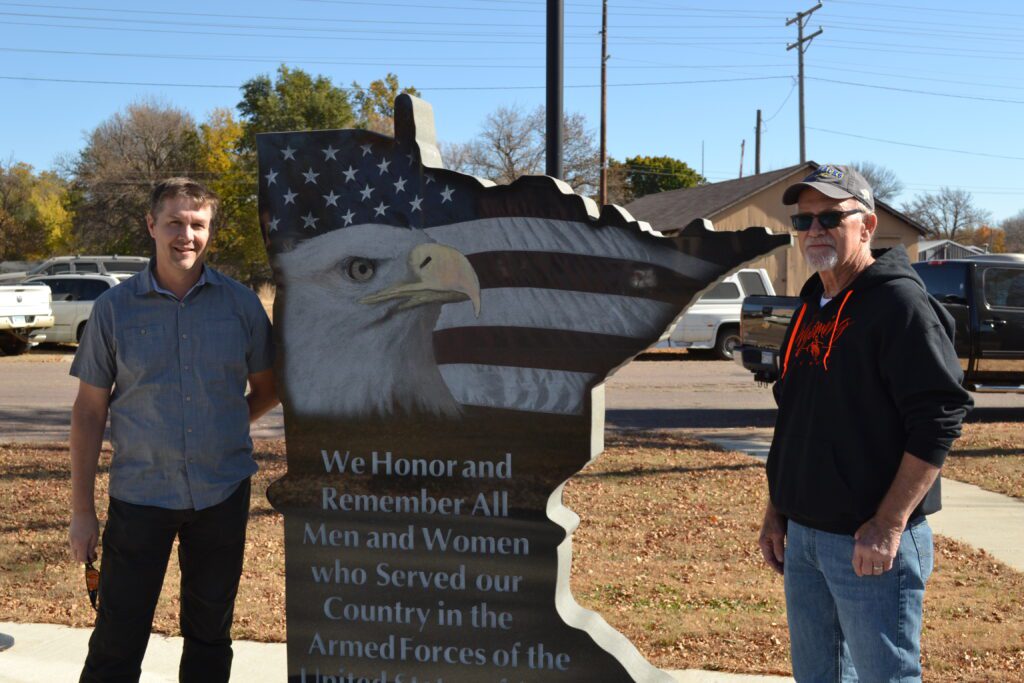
x: 512, y: 144
x: 883, y: 180
x: 947, y: 212
x: 1013, y: 228
x: 124, y: 157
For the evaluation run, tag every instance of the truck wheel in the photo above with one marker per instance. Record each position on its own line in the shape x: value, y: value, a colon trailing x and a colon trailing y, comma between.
x: 80, y: 332
x: 727, y: 341
x: 12, y: 346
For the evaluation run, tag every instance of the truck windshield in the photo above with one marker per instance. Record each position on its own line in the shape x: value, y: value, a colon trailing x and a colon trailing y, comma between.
x: 947, y: 282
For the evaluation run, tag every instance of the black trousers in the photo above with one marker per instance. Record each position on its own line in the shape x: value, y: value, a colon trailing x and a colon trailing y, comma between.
x: 137, y: 543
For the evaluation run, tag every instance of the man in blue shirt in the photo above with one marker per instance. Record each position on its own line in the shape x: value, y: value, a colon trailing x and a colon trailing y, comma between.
x: 168, y: 354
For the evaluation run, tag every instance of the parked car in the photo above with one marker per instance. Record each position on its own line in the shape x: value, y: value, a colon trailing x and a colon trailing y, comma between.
x: 25, y: 315
x: 73, y: 296
x: 102, y: 265
x: 713, y: 320
x: 984, y: 294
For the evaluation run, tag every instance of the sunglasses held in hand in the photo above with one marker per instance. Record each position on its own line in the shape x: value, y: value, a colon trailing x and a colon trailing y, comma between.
x: 92, y: 583
x: 827, y: 219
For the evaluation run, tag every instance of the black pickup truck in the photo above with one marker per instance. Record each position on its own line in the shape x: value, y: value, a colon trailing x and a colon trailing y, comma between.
x: 984, y: 294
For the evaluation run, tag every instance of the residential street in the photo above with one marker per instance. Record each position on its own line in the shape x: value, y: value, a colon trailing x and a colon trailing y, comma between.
x: 707, y: 396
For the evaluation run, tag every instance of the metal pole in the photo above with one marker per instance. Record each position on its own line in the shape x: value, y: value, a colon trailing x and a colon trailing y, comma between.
x: 554, y: 103
x: 603, y: 190
x: 757, y: 145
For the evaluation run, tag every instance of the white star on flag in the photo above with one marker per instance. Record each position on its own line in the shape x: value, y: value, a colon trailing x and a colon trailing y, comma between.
x: 289, y: 197
x: 332, y: 199
x: 446, y: 196
x: 271, y: 177
x: 329, y: 153
x: 309, y: 221
x: 273, y: 224
x: 366, y: 191
x: 415, y: 204
x: 400, y: 185
x: 379, y: 210
x: 383, y: 165
x: 365, y: 148
x: 289, y: 153
x: 348, y: 217
x: 429, y: 177
x: 311, y: 175
x: 350, y: 174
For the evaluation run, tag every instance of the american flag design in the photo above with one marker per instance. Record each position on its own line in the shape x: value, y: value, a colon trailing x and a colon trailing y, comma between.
x: 568, y: 291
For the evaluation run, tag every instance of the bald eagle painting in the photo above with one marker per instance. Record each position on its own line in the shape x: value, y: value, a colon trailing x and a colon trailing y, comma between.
x: 442, y: 348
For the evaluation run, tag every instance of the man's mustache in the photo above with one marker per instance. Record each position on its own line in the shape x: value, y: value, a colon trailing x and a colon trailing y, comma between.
x: 821, y: 242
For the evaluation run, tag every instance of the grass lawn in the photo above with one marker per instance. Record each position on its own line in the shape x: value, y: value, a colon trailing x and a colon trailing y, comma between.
x: 666, y: 552
x: 989, y: 455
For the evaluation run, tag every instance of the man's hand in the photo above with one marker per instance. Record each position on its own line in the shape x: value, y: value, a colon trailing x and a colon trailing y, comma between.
x: 773, y: 538
x: 83, y: 536
x: 875, y: 547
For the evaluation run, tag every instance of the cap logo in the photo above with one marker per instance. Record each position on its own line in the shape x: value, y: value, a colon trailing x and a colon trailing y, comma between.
x: 829, y: 173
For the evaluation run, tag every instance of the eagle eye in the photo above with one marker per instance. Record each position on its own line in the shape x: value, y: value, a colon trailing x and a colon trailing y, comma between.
x: 360, y: 269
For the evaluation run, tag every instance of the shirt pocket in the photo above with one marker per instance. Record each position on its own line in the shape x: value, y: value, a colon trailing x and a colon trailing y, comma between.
x: 223, y: 349
x: 142, y: 351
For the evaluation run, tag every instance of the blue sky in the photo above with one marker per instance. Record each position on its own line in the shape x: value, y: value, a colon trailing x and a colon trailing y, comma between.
x: 886, y: 81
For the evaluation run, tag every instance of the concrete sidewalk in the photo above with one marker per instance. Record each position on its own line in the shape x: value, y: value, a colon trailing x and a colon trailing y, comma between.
x: 988, y: 521
x: 44, y: 653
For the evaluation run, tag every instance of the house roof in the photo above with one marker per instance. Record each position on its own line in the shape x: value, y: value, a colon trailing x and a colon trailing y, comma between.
x: 673, y: 209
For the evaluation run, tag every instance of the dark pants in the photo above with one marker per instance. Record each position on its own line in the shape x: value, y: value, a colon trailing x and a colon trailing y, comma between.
x: 137, y: 543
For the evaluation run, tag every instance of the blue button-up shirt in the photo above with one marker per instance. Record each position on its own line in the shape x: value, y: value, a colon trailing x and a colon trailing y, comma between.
x: 179, y: 421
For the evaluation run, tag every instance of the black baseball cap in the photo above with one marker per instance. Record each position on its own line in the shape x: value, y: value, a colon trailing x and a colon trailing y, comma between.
x: 837, y: 182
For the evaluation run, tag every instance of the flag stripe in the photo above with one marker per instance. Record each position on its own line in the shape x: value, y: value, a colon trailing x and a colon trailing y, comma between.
x: 528, y: 347
x: 528, y: 389
x: 561, y: 310
x: 582, y: 273
x: 523, y: 233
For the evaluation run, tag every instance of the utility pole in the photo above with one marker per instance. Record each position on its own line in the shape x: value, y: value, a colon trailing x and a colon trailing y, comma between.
x: 743, y: 146
x: 556, y: 52
x: 757, y: 144
x: 801, y: 46
x: 603, y: 190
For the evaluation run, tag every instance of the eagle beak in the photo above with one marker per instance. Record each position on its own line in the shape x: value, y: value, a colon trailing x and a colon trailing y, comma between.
x: 441, y: 275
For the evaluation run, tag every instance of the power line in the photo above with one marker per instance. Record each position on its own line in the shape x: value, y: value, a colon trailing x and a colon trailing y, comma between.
x: 165, y: 22
x: 908, y: 144
x: 386, y: 62
x: 404, y: 39
x: 917, y: 92
x: 420, y: 87
x: 922, y: 8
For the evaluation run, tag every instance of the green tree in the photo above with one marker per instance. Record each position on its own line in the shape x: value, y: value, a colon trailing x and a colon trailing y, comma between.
x: 647, y: 175
x: 112, y: 177
x: 295, y: 101
x: 34, y: 221
x: 237, y: 247
x: 375, y: 104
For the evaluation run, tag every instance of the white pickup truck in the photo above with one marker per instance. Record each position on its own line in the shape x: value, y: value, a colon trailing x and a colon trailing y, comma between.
x: 25, y: 313
x: 713, y: 320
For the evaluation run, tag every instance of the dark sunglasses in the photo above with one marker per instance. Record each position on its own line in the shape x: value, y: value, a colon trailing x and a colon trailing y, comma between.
x: 827, y: 219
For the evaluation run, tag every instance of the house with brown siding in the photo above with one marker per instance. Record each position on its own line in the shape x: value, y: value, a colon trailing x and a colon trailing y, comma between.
x: 757, y: 200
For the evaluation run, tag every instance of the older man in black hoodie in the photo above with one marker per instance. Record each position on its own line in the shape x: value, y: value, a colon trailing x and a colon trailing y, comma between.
x: 870, y: 403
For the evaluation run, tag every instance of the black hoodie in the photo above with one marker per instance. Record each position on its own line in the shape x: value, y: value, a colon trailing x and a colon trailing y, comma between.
x: 865, y: 378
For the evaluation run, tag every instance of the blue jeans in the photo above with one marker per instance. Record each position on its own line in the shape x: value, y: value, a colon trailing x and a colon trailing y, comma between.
x: 845, y: 628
